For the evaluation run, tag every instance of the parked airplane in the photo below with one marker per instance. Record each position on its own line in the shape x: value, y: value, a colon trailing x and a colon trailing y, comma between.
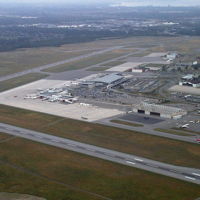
x: 185, y: 126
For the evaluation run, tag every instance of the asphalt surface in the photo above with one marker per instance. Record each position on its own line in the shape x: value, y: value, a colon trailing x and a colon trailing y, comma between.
x: 183, y: 173
x: 141, y: 119
x: 43, y: 67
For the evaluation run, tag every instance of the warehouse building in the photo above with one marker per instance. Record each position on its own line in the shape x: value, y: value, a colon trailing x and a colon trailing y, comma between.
x: 159, y: 110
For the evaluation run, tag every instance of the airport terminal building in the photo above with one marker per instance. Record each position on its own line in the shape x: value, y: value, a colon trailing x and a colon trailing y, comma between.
x: 159, y: 110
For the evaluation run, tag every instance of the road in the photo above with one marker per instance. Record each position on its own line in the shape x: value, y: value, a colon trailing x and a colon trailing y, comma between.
x: 182, y: 173
x: 43, y: 67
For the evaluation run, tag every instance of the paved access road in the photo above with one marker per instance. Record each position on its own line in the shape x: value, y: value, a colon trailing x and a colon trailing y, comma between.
x: 43, y: 67
x: 183, y: 173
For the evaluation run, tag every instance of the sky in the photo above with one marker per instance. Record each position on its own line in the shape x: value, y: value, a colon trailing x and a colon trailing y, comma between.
x: 115, y: 2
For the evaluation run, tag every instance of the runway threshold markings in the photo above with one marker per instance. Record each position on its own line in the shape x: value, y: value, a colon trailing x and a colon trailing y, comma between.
x: 55, y: 141
x: 196, y: 174
x: 138, y: 159
x: 188, y: 177
x: 129, y: 162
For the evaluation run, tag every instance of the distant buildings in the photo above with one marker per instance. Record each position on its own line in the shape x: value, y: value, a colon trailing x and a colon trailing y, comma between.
x: 171, y: 56
x: 190, y: 80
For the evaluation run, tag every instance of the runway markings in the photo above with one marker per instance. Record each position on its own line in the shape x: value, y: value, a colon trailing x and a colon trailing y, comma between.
x: 196, y: 174
x: 190, y: 178
x: 138, y: 159
x: 91, y: 150
x: 129, y: 162
x: 55, y: 141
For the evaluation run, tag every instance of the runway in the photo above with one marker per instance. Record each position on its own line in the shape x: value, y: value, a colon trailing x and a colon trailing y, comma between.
x: 43, y: 67
x: 182, y: 173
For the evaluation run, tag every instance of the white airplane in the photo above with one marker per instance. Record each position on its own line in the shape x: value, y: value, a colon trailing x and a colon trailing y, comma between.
x: 67, y: 101
x: 185, y: 126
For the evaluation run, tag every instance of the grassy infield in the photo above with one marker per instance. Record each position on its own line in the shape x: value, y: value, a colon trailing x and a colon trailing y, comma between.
x: 41, y: 165
x: 29, y: 167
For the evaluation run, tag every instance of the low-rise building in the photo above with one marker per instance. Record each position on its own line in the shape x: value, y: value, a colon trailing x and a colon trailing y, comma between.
x: 159, y: 110
x: 138, y: 70
x: 190, y: 80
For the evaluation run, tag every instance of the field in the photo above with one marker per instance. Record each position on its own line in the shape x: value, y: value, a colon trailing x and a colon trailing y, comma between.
x: 4, y: 136
x: 174, y: 132
x: 20, y: 60
x: 86, y: 62
x: 23, y: 59
x: 15, y: 82
x: 55, y: 174
x: 14, y: 196
x: 153, y: 147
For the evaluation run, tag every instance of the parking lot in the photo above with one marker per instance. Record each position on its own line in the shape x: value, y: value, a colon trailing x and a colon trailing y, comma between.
x: 143, y: 119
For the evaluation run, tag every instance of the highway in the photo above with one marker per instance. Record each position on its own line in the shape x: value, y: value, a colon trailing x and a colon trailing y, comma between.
x: 182, y: 173
x: 43, y: 67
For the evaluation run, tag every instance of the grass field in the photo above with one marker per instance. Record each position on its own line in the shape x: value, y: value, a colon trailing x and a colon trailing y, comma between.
x: 19, y: 60
x: 15, y: 82
x: 86, y: 62
x: 56, y: 174
x: 4, y: 136
x: 153, y: 147
x: 185, y: 130
x: 174, y: 132
x: 126, y: 123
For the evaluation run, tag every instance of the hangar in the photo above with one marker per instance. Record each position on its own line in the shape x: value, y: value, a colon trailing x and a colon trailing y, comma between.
x: 159, y: 110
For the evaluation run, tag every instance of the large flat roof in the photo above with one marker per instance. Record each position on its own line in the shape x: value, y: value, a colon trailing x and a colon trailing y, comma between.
x: 108, y: 79
x: 168, y: 110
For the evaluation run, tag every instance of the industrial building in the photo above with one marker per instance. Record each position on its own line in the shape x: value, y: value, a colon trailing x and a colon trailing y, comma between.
x: 159, y: 110
x: 190, y: 80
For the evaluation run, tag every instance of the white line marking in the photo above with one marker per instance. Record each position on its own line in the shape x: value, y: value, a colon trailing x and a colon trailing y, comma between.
x: 190, y: 178
x: 54, y: 141
x: 129, y: 162
x: 196, y: 174
x: 138, y: 159
x: 91, y: 150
